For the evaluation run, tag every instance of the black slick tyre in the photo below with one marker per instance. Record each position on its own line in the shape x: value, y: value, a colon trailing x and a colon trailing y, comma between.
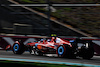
x: 18, y: 48
x: 65, y: 51
x: 87, y: 53
x: 61, y: 51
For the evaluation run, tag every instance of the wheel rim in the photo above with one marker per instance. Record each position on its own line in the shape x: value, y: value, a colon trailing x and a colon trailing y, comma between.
x: 16, y: 47
x: 61, y: 50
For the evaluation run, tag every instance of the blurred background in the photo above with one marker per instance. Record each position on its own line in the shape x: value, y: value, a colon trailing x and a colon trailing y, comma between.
x: 72, y: 21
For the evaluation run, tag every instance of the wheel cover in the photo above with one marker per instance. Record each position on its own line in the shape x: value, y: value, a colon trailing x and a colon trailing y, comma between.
x: 16, y: 47
x: 61, y: 50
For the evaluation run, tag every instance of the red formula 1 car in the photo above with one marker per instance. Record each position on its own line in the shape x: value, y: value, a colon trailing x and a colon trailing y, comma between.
x: 63, y: 48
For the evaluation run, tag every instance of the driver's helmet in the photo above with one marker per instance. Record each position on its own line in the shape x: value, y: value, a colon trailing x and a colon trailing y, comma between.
x: 53, y: 35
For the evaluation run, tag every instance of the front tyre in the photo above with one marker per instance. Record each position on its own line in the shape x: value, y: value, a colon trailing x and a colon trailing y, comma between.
x: 18, y: 48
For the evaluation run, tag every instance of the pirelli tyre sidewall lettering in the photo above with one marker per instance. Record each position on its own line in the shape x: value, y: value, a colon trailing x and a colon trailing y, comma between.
x: 16, y: 47
x: 61, y: 50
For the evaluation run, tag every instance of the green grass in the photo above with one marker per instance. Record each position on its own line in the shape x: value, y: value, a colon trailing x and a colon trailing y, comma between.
x: 27, y: 1
x: 30, y: 1
x: 67, y: 9
x: 64, y: 1
x: 27, y: 64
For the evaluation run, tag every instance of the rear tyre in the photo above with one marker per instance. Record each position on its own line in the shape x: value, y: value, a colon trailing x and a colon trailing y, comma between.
x: 87, y: 53
x: 65, y: 51
x: 61, y: 50
x: 18, y: 48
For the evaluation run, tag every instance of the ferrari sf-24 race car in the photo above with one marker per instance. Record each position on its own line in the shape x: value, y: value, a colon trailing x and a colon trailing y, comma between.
x: 62, y: 47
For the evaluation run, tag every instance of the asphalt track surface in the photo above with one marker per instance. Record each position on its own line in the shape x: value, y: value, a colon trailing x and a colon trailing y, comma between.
x: 6, y: 55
